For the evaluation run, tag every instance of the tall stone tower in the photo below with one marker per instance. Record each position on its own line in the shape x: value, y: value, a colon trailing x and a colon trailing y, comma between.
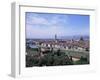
x: 55, y: 38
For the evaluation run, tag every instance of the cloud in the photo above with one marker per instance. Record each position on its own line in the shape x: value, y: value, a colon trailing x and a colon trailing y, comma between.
x: 36, y: 19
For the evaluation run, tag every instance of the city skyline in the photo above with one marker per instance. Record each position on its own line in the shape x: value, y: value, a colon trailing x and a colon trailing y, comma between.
x: 46, y: 25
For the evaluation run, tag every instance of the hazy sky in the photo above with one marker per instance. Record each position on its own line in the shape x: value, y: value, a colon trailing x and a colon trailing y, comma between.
x: 46, y: 25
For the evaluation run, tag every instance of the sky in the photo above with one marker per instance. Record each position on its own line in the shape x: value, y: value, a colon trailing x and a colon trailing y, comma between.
x: 46, y: 25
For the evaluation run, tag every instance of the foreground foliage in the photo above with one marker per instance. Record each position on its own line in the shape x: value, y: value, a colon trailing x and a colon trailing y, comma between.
x: 52, y: 58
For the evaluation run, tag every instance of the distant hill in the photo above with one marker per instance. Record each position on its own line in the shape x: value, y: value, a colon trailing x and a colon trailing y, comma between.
x: 74, y: 37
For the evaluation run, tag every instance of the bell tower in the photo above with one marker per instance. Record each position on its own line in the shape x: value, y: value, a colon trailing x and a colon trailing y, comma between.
x: 56, y: 38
